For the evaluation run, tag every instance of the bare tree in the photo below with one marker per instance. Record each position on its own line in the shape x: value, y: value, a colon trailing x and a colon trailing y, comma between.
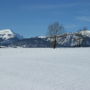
x: 54, y: 30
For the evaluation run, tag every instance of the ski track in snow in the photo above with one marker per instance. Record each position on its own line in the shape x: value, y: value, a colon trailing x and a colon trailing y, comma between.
x: 45, y: 69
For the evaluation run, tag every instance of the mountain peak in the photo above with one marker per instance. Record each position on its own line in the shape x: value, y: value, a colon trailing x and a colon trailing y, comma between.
x: 6, y: 31
x: 8, y: 34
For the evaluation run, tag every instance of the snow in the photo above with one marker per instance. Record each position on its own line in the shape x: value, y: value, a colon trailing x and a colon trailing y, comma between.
x: 8, y: 31
x: 45, y: 69
x: 85, y: 32
x: 41, y: 36
x: 6, y: 34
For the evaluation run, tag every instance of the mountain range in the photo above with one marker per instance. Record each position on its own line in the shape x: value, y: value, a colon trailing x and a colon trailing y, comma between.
x: 8, y: 38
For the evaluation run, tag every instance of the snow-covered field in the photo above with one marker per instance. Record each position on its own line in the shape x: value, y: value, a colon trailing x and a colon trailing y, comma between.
x: 45, y: 69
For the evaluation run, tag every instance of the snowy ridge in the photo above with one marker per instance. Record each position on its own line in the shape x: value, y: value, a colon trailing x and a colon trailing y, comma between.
x: 85, y: 32
x: 75, y: 39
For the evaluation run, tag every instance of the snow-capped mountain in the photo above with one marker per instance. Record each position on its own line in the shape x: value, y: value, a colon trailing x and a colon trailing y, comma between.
x: 8, y: 34
x: 8, y: 37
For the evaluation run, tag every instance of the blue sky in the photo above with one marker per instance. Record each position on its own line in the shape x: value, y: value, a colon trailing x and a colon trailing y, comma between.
x: 32, y: 17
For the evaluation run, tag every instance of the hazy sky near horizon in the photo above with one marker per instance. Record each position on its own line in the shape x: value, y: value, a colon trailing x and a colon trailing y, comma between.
x: 32, y: 17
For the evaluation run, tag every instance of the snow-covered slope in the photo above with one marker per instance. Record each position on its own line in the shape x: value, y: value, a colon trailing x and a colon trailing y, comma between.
x: 85, y: 32
x: 45, y: 69
x: 81, y: 38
